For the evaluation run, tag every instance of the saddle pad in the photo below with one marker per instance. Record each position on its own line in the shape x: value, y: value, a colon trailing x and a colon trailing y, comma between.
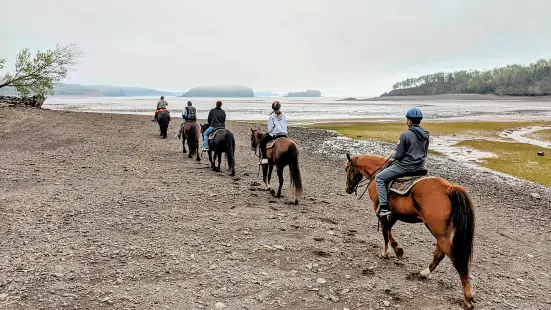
x: 402, y: 186
x: 270, y: 144
x: 213, y: 134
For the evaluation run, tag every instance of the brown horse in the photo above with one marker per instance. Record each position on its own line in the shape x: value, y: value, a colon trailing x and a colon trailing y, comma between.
x: 443, y: 207
x: 191, y: 131
x: 283, y: 153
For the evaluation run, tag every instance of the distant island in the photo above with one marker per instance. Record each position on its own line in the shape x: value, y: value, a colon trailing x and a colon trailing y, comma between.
x: 220, y: 91
x: 512, y: 80
x: 265, y: 93
x: 96, y: 91
x: 308, y: 93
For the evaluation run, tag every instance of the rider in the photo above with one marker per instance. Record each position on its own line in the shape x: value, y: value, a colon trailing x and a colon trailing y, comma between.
x: 277, y: 128
x: 189, y: 114
x: 161, y: 104
x: 216, y: 120
x: 410, y: 155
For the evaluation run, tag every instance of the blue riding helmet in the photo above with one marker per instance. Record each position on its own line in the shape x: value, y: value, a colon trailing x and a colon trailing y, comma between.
x: 414, y: 113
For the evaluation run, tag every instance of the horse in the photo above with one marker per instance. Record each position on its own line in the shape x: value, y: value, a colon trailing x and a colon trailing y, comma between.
x: 223, y: 142
x: 189, y: 133
x: 283, y: 153
x: 163, y: 118
x: 443, y: 207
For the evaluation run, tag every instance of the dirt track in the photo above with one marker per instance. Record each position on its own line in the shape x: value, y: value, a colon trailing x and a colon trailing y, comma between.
x: 97, y: 212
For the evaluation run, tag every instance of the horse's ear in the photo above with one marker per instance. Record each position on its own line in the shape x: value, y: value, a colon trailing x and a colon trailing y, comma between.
x: 252, y: 130
x: 348, y: 156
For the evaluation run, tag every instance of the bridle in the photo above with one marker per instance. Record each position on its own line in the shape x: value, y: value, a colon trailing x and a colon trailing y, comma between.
x: 368, y: 179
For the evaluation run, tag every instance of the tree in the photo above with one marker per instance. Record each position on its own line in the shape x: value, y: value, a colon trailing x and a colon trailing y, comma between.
x: 39, y: 74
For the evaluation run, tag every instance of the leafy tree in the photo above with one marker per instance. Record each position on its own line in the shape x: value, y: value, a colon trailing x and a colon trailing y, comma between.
x: 39, y: 74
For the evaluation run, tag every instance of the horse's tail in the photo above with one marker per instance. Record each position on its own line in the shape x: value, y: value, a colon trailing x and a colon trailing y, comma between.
x: 296, y: 180
x: 463, y: 219
x: 192, y: 139
x: 230, y: 150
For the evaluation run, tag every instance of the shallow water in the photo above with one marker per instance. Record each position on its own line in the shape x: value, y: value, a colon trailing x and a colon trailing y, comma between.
x: 314, y: 109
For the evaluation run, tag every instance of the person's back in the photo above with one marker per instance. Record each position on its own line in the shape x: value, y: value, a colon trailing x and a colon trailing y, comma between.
x: 217, y: 118
x: 162, y: 104
x: 413, y: 148
x: 277, y: 124
x: 190, y: 114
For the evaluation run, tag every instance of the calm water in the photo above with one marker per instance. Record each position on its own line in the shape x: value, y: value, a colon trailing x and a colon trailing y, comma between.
x: 313, y: 109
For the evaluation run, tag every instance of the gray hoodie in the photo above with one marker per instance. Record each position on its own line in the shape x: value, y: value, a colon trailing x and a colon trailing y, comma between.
x: 412, y: 149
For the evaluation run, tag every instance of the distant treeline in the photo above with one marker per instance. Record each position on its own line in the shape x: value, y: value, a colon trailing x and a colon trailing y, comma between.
x: 308, y: 93
x: 515, y: 80
x: 62, y: 89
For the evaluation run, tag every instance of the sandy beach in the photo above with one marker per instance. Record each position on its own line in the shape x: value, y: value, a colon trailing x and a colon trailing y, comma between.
x: 96, y: 211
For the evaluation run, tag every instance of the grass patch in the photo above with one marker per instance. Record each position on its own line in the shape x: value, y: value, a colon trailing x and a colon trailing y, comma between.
x: 518, y: 159
x: 542, y: 135
x: 390, y: 132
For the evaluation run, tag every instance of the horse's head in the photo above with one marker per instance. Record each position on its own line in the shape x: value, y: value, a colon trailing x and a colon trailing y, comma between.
x: 353, y: 175
x: 256, y: 135
x: 204, y: 127
x: 358, y: 167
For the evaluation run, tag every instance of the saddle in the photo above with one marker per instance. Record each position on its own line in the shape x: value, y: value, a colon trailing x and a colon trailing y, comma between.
x: 404, y: 184
x: 213, y: 134
x: 270, y: 144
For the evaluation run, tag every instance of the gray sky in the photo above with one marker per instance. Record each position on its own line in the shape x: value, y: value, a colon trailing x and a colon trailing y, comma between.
x: 341, y: 47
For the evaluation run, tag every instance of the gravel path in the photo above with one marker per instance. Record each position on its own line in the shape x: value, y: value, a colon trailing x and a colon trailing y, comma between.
x: 97, y: 212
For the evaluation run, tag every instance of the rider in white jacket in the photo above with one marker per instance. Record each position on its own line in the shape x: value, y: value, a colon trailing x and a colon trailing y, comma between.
x: 277, y: 128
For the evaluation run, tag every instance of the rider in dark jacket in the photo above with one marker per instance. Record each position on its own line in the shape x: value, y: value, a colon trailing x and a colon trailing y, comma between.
x: 410, y: 155
x: 216, y: 120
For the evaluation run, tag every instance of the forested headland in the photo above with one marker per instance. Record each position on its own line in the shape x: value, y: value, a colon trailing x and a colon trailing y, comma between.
x: 512, y: 80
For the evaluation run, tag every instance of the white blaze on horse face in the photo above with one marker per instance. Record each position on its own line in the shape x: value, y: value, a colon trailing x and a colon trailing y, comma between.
x: 425, y: 273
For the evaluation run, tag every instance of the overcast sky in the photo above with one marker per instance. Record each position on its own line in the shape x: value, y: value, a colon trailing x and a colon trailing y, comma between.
x: 341, y: 47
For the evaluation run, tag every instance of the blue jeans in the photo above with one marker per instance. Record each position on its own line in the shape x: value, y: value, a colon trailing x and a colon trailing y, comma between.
x: 382, y: 179
x: 206, y: 137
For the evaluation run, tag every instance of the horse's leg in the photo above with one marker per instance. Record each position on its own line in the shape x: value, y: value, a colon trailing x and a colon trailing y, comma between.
x: 280, y: 177
x: 397, y: 250
x: 436, y: 259
x: 386, y: 233
x: 184, y: 143
x: 265, y: 175
x: 219, y: 161
x: 211, y: 161
x: 270, y: 169
x: 443, y: 247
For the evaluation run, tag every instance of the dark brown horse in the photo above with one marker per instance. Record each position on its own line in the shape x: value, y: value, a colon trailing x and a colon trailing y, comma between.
x: 443, y: 207
x: 283, y: 153
x: 191, y: 132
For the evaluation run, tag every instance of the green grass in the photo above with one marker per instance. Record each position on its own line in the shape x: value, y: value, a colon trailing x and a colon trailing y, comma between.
x: 390, y: 132
x: 542, y: 135
x: 518, y: 159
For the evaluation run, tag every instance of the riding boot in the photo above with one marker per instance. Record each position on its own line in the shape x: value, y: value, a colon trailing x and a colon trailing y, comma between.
x: 383, y: 210
x: 264, y: 157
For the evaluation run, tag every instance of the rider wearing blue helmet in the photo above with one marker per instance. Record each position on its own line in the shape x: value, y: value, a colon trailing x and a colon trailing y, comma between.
x: 410, y: 155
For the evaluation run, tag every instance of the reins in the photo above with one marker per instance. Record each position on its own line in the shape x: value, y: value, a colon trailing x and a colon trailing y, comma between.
x: 370, y: 178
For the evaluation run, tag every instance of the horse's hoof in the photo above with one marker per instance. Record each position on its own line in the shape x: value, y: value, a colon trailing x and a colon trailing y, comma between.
x: 425, y: 273
x: 468, y: 305
x: 399, y: 252
x: 384, y: 254
x: 184, y: 151
x: 272, y: 192
x: 232, y: 173
x: 296, y: 202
